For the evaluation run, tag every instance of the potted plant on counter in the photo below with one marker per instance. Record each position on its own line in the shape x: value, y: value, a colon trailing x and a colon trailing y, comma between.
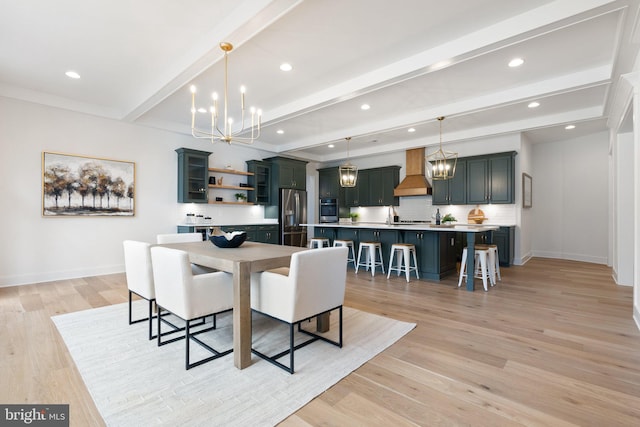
x: 448, y: 219
x: 354, y: 216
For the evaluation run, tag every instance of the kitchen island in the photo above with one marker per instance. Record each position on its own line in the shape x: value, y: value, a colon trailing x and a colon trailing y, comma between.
x: 435, y: 244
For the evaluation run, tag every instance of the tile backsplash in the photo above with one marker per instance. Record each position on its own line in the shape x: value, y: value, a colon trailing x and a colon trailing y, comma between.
x: 420, y: 208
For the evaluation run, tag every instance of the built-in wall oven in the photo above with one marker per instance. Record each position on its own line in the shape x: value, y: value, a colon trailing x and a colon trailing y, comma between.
x: 328, y: 210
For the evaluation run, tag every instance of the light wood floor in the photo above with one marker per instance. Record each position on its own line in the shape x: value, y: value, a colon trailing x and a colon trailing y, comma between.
x: 553, y: 344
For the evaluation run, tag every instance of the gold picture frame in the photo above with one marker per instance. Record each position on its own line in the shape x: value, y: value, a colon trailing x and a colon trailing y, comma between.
x: 74, y: 185
x: 527, y: 188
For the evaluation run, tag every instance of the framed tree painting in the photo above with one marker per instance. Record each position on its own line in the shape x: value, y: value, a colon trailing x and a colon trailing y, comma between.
x: 527, y: 183
x: 86, y: 186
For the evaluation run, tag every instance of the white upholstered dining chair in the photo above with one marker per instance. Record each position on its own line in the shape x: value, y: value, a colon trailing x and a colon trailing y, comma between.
x: 189, y: 297
x: 314, y: 284
x: 139, y: 274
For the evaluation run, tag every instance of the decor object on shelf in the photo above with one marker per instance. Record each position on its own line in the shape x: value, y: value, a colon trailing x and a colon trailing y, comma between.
x: 442, y: 164
x: 87, y: 186
x: 348, y: 172
x: 527, y: 181
x: 226, y: 134
x: 241, y: 197
x: 227, y: 240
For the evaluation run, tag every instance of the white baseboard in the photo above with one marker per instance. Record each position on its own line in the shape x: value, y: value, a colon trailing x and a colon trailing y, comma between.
x: 571, y: 257
x: 28, y: 279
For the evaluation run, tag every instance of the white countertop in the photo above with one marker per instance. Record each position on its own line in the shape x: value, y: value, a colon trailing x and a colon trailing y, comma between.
x: 222, y: 224
x: 474, y: 228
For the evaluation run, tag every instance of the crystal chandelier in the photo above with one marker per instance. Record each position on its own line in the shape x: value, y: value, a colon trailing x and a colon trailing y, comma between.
x: 441, y: 164
x: 226, y: 134
x: 348, y: 172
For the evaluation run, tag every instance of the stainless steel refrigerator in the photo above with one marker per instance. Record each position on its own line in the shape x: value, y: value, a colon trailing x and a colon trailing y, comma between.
x: 293, y: 212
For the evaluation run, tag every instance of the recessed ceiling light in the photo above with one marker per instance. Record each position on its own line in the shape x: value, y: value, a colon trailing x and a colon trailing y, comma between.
x: 441, y: 64
x: 569, y: 127
x: 331, y: 145
x: 285, y: 66
x: 202, y: 110
x: 410, y: 130
x: 365, y: 106
x: 516, y: 62
x: 72, y: 74
x: 533, y: 104
x: 279, y: 131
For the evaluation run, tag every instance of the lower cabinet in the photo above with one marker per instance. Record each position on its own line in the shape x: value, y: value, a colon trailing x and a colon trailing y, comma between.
x: 267, y: 234
x: 436, y: 252
x: 326, y: 232
x: 349, y: 234
x: 385, y: 237
x: 255, y: 233
x: 504, y: 237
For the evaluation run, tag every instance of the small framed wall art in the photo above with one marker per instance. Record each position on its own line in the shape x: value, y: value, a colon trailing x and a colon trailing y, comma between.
x: 86, y: 186
x: 527, y: 183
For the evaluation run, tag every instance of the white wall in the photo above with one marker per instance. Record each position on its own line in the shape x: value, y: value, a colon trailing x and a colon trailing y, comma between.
x: 524, y: 232
x: 570, y: 196
x: 38, y: 249
x: 623, y: 252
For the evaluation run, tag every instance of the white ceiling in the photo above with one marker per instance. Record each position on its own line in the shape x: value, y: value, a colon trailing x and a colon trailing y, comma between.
x: 410, y: 60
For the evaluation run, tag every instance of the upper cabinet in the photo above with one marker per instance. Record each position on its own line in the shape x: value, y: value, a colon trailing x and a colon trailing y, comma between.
x: 374, y: 187
x: 329, y: 184
x: 491, y: 179
x: 358, y: 195
x: 193, y: 175
x: 260, y: 182
x: 289, y: 173
x: 452, y: 191
x: 382, y: 181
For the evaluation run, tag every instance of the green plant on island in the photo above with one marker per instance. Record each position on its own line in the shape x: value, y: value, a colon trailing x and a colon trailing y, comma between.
x: 448, y: 218
x: 354, y: 216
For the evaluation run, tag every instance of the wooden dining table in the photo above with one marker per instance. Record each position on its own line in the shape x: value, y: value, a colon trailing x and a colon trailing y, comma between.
x: 249, y: 258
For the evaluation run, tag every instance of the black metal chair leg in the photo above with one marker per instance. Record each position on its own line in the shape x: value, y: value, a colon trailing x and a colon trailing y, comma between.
x: 150, y: 320
x: 187, y: 338
x: 291, y: 349
x: 340, y: 327
x: 130, y: 316
x: 159, y: 316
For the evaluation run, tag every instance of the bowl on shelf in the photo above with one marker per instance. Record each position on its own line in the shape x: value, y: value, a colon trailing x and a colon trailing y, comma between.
x: 228, y: 240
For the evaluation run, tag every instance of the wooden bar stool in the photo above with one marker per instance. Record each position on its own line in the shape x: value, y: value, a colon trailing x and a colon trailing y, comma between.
x: 482, y: 256
x: 370, y: 256
x: 403, y: 261
x: 494, y: 261
x: 351, y: 257
x: 318, y: 242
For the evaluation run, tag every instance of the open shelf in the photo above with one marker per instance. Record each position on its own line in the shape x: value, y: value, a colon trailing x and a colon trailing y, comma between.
x: 213, y: 202
x: 230, y: 171
x: 229, y: 187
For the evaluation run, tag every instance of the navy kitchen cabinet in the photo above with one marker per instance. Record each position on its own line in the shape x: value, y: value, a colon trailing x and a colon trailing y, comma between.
x: 491, y: 179
x: 452, y: 191
x: 193, y: 175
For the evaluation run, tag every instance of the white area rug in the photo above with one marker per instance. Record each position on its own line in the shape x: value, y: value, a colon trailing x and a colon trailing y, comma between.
x: 133, y: 382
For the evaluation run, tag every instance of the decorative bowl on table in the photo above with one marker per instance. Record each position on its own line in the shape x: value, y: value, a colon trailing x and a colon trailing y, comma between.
x: 227, y: 240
